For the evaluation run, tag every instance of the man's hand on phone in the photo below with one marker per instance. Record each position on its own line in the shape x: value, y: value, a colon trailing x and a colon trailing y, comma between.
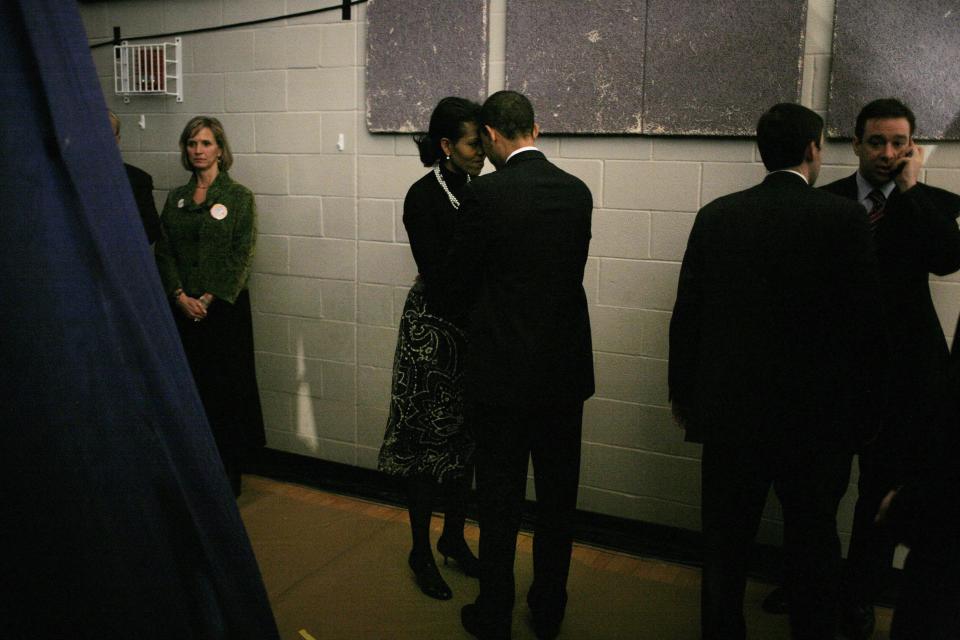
x: 908, y: 167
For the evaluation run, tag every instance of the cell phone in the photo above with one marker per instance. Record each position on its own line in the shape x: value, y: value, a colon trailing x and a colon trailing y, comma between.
x: 901, y: 164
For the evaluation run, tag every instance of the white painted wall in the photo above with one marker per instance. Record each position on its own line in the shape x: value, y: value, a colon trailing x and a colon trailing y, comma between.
x: 333, y: 267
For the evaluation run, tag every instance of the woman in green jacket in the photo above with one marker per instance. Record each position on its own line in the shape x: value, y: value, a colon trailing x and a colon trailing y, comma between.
x: 210, y: 227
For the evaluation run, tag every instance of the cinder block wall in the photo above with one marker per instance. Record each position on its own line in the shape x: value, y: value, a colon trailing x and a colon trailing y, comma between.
x: 332, y: 266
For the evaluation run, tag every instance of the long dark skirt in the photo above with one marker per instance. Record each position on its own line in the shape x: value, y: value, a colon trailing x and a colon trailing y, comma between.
x: 220, y: 352
x: 426, y: 435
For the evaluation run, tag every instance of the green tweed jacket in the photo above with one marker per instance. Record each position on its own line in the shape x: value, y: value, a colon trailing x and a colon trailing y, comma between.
x: 208, y: 247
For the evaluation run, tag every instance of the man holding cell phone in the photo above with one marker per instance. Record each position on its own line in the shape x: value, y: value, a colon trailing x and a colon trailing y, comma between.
x: 915, y: 233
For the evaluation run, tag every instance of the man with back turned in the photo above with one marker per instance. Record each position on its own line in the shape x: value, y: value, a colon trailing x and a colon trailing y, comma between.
x: 774, y: 366
x: 519, y: 250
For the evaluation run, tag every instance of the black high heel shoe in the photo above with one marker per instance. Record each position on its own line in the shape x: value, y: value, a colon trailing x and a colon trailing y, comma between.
x: 460, y: 552
x: 428, y: 576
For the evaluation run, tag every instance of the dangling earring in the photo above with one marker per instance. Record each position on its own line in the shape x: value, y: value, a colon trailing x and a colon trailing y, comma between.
x: 448, y: 157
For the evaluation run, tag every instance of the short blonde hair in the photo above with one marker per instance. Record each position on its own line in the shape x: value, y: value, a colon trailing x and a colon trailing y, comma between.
x: 199, y: 122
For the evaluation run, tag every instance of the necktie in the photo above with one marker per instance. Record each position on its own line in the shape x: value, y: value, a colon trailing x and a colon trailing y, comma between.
x: 878, y: 201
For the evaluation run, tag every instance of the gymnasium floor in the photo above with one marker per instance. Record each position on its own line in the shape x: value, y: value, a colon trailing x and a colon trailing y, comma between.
x: 335, y: 568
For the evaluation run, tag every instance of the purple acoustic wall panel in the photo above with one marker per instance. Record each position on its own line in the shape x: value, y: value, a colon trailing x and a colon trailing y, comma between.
x: 419, y: 52
x: 905, y: 50
x: 579, y: 61
x: 713, y: 68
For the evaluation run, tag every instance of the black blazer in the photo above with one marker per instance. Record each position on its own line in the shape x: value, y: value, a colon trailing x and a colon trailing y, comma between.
x: 926, y: 510
x: 518, y: 255
x: 772, y: 333
x: 142, y: 185
x: 917, y: 236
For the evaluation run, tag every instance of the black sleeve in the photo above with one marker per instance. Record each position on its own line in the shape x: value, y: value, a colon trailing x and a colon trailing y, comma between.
x: 142, y: 185
x: 426, y: 241
x: 685, y: 323
x: 933, y: 213
x: 928, y: 506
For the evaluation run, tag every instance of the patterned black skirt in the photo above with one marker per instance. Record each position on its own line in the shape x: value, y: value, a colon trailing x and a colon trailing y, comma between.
x: 426, y: 435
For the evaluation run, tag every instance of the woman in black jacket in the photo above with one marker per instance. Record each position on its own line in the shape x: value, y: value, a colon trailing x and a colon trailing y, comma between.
x: 426, y: 441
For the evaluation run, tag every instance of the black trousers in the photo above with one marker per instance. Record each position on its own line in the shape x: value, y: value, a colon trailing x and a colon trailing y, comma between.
x: 809, y: 479
x: 870, y: 554
x: 507, y: 439
x: 928, y: 607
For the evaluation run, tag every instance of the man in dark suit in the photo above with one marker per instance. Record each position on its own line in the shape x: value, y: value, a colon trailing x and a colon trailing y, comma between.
x: 924, y: 514
x: 774, y: 365
x: 916, y: 234
x: 142, y: 186
x: 519, y: 252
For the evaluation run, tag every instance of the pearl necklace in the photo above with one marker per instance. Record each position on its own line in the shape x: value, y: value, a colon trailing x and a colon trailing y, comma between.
x: 453, y: 199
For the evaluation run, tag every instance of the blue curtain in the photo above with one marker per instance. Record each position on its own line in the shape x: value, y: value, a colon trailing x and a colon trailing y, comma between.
x: 119, y: 519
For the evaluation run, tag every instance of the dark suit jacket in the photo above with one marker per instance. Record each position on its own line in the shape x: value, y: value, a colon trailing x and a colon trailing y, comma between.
x: 917, y: 236
x: 926, y: 510
x: 771, y: 334
x: 142, y: 185
x: 517, y: 259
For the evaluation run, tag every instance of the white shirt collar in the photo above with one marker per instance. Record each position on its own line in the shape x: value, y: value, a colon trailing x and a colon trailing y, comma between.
x: 520, y: 150
x: 796, y: 173
x: 864, y: 188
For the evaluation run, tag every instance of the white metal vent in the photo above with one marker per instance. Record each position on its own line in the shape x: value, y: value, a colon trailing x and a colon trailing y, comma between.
x: 148, y: 69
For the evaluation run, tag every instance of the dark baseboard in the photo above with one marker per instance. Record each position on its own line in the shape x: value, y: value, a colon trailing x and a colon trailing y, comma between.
x: 638, y: 538
x: 610, y: 532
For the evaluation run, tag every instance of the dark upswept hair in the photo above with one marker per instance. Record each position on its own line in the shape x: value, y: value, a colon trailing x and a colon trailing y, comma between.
x: 508, y: 112
x: 784, y: 132
x: 883, y: 108
x: 446, y: 121
x: 195, y: 124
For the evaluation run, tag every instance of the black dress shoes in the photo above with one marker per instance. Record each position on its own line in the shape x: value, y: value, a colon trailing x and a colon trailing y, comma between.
x: 470, y: 619
x: 428, y: 576
x: 857, y: 622
x: 546, y: 619
x: 479, y: 628
x: 545, y: 628
x: 777, y: 602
